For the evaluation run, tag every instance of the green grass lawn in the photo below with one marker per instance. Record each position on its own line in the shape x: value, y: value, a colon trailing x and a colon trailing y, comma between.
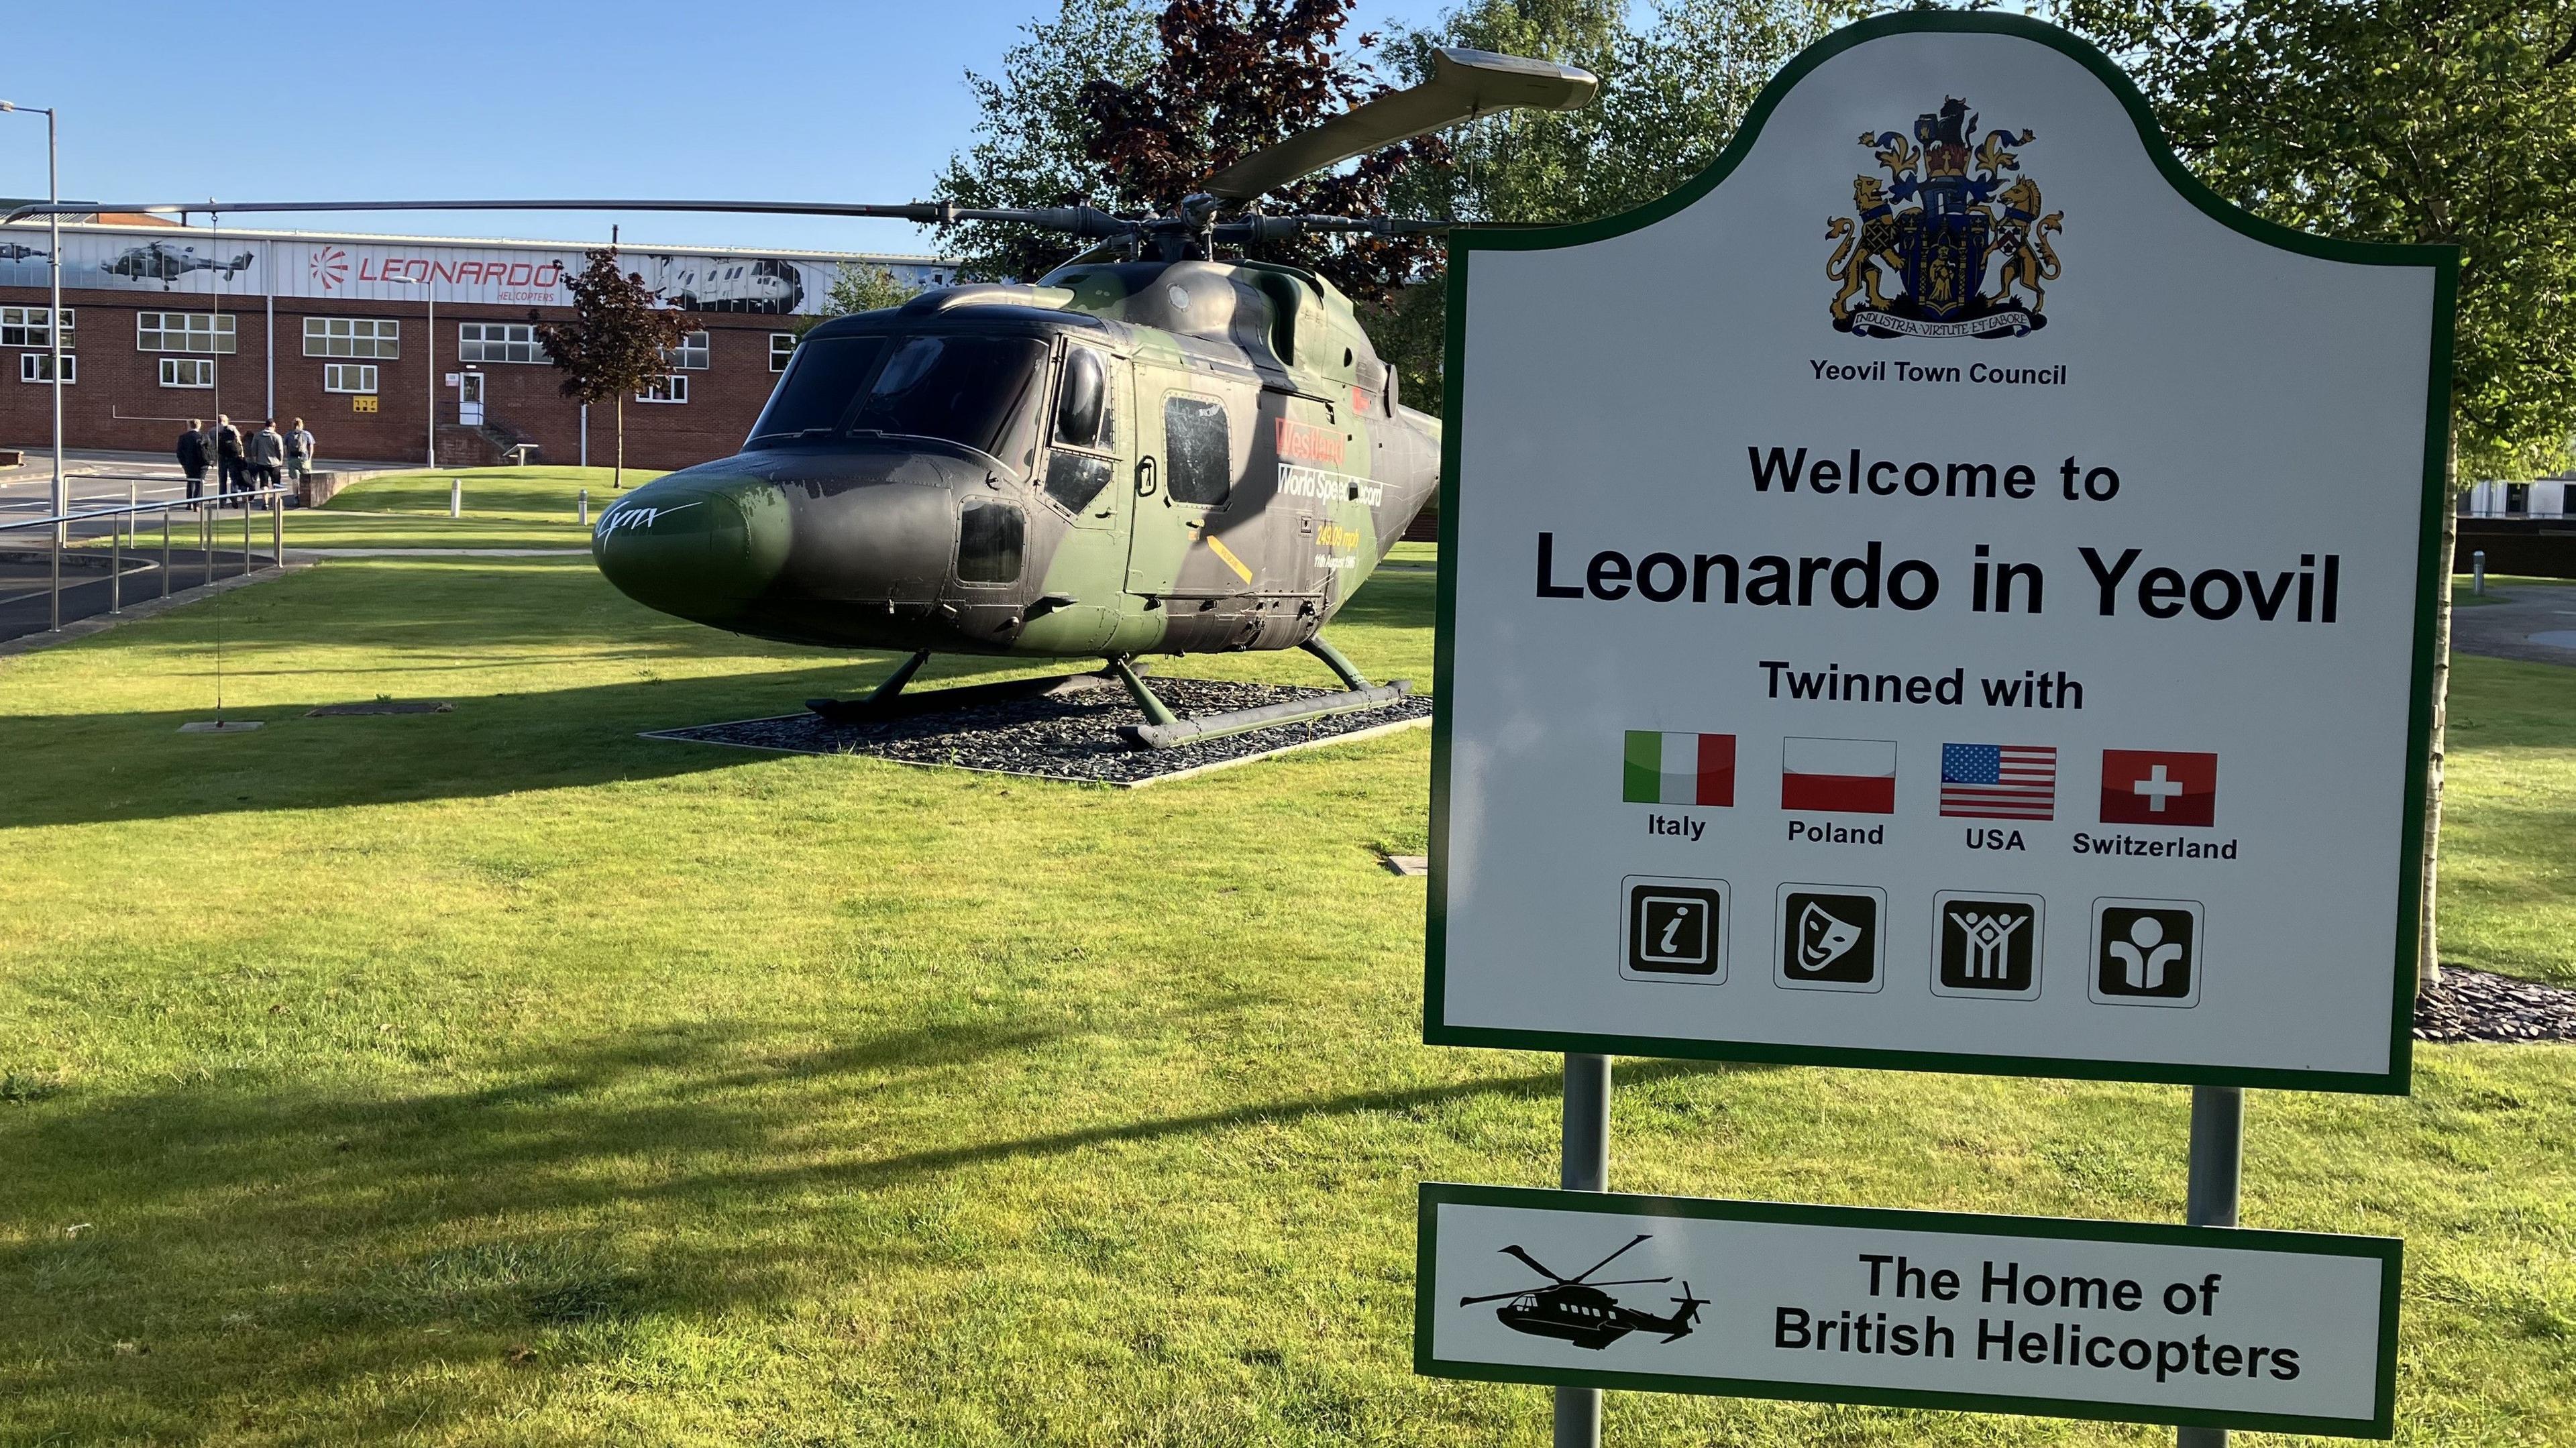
x: 499, y: 1077
x: 504, y: 508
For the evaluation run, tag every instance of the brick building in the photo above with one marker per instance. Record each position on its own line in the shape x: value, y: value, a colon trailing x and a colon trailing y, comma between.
x: 168, y: 323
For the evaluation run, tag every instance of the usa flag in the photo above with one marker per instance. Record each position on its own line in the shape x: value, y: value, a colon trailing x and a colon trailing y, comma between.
x: 1999, y: 781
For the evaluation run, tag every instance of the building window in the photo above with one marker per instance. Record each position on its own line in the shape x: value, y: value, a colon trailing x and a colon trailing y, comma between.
x: 352, y: 337
x: 27, y: 327
x: 782, y: 345
x: 348, y: 377
x: 187, y: 372
x: 692, y: 353
x: 673, y: 388
x: 498, y: 342
x: 37, y: 367
x: 183, y: 332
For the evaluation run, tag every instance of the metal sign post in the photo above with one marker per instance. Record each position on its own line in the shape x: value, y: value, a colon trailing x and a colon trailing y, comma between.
x: 1586, y: 1169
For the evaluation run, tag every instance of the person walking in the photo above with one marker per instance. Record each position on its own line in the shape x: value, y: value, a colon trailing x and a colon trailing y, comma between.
x: 299, y: 452
x: 192, y: 457
x: 267, y: 455
x: 229, y: 457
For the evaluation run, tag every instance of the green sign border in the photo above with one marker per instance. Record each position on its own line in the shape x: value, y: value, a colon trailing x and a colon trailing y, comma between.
x: 2432, y: 575
x: 2390, y: 1252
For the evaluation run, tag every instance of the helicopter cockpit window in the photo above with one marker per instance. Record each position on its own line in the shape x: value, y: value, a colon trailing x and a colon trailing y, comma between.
x: 972, y: 390
x: 1200, y: 454
x: 822, y: 377
x: 1085, y: 419
x: 1082, y: 400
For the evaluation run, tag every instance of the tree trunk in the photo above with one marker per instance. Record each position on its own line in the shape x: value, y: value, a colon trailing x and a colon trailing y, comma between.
x: 618, y: 481
x: 2428, y: 958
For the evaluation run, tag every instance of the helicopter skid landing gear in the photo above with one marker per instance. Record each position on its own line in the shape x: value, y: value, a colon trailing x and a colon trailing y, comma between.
x: 888, y: 701
x: 1164, y: 730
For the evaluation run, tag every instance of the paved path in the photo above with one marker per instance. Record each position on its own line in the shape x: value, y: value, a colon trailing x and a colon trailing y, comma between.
x: 96, y: 479
x: 2535, y: 623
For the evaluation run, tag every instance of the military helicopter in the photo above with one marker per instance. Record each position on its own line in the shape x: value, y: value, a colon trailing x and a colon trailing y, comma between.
x: 157, y: 261
x: 12, y: 251
x: 1148, y: 450
x: 1576, y: 1310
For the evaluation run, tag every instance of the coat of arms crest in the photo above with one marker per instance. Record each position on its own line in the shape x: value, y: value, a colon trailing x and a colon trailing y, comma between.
x: 1963, y: 242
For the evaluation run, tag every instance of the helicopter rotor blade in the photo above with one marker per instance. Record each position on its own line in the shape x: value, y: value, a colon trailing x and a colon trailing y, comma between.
x: 1077, y: 220
x: 1463, y: 84
x: 1541, y: 1267
x: 1495, y: 1296
x: 1630, y: 1282
x: 1606, y: 1261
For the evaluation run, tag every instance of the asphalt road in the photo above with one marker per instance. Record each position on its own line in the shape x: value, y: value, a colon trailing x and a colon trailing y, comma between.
x: 2535, y: 623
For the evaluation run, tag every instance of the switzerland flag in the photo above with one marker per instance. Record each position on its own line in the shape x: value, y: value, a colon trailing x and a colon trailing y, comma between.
x: 2158, y: 787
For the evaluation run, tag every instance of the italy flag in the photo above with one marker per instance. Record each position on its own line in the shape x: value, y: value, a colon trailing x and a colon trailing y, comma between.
x: 1678, y: 768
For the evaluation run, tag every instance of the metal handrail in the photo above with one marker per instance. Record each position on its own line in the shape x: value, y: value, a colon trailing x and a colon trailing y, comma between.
x: 206, y: 506
x: 216, y: 500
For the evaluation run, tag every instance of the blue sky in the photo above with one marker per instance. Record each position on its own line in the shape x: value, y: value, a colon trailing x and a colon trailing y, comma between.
x: 290, y: 99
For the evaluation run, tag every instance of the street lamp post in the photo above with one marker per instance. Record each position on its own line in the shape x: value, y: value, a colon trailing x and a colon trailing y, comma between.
x: 54, y: 316
x: 428, y: 283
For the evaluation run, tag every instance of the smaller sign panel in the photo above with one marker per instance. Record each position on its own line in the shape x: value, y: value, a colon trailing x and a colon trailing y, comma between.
x: 2286, y: 1331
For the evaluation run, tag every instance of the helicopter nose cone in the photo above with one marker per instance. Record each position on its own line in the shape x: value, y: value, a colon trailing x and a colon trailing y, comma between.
x: 702, y: 547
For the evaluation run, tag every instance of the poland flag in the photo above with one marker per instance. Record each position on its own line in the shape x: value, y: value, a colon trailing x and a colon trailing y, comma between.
x: 1838, y: 776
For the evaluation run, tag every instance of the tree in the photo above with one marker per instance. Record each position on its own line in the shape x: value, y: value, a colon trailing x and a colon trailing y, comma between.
x: 1671, y: 96
x: 2444, y: 121
x: 857, y: 289
x: 618, y: 342
x: 1032, y: 140
x: 1130, y: 108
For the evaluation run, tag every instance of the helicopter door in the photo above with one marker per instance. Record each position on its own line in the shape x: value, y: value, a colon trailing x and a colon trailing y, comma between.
x: 1185, y: 477
x: 1089, y: 422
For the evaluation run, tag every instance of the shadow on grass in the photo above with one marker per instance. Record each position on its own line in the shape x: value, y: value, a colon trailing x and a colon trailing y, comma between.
x: 340, y: 1253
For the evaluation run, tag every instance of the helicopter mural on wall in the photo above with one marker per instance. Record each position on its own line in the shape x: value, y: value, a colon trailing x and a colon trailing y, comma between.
x: 1147, y: 450
x: 1576, y: 1310
x: 161, y: 262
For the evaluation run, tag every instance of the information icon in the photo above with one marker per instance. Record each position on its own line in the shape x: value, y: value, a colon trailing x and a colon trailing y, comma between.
x: 1829, y: 937
x: 1673, y: 929
x: 1986, y: 945
x: 2146, y: 952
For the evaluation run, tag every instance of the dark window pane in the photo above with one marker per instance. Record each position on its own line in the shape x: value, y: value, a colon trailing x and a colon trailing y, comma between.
x: 1081, y: 398
x: 1202, y: 460
x: 970, y: 390
x: 988, y: 542
x: 1074, y: 479
x: 820, y: 383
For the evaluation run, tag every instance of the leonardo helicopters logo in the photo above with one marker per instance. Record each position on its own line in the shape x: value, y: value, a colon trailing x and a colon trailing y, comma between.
x: 1576, y: 1310
x: 1965, y: 243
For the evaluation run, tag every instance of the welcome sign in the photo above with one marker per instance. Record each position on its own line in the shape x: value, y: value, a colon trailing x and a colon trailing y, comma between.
x: 1943, y: 590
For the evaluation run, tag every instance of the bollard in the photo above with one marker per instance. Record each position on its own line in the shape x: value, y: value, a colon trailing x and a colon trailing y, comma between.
x: 2478, y: 572
x: 456, y: 497
x: 583, y: 517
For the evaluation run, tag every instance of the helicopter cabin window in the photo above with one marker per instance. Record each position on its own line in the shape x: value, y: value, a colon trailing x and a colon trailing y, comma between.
x: 782, y: 345
x: 1083, y: 420
x: 1200, y: 454
x: 990, y: 535
x: 183, y: 332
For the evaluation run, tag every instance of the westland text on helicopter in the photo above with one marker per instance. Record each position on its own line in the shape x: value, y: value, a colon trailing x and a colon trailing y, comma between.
x: 1576, y: 1310
x: 1147, y: 451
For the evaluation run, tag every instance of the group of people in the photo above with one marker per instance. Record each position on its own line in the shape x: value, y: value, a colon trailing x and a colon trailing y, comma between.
x: 243, y: 465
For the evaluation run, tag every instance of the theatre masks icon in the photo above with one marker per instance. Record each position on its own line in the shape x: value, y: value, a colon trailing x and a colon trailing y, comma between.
x: 1829, y: 937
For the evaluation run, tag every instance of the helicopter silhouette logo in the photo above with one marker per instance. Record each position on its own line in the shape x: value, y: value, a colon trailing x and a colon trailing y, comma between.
x: 1576, y: 1310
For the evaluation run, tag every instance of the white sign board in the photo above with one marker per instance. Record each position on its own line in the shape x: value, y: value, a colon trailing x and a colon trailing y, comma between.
x: 1941, y: 590
x: 2289, y: 1331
